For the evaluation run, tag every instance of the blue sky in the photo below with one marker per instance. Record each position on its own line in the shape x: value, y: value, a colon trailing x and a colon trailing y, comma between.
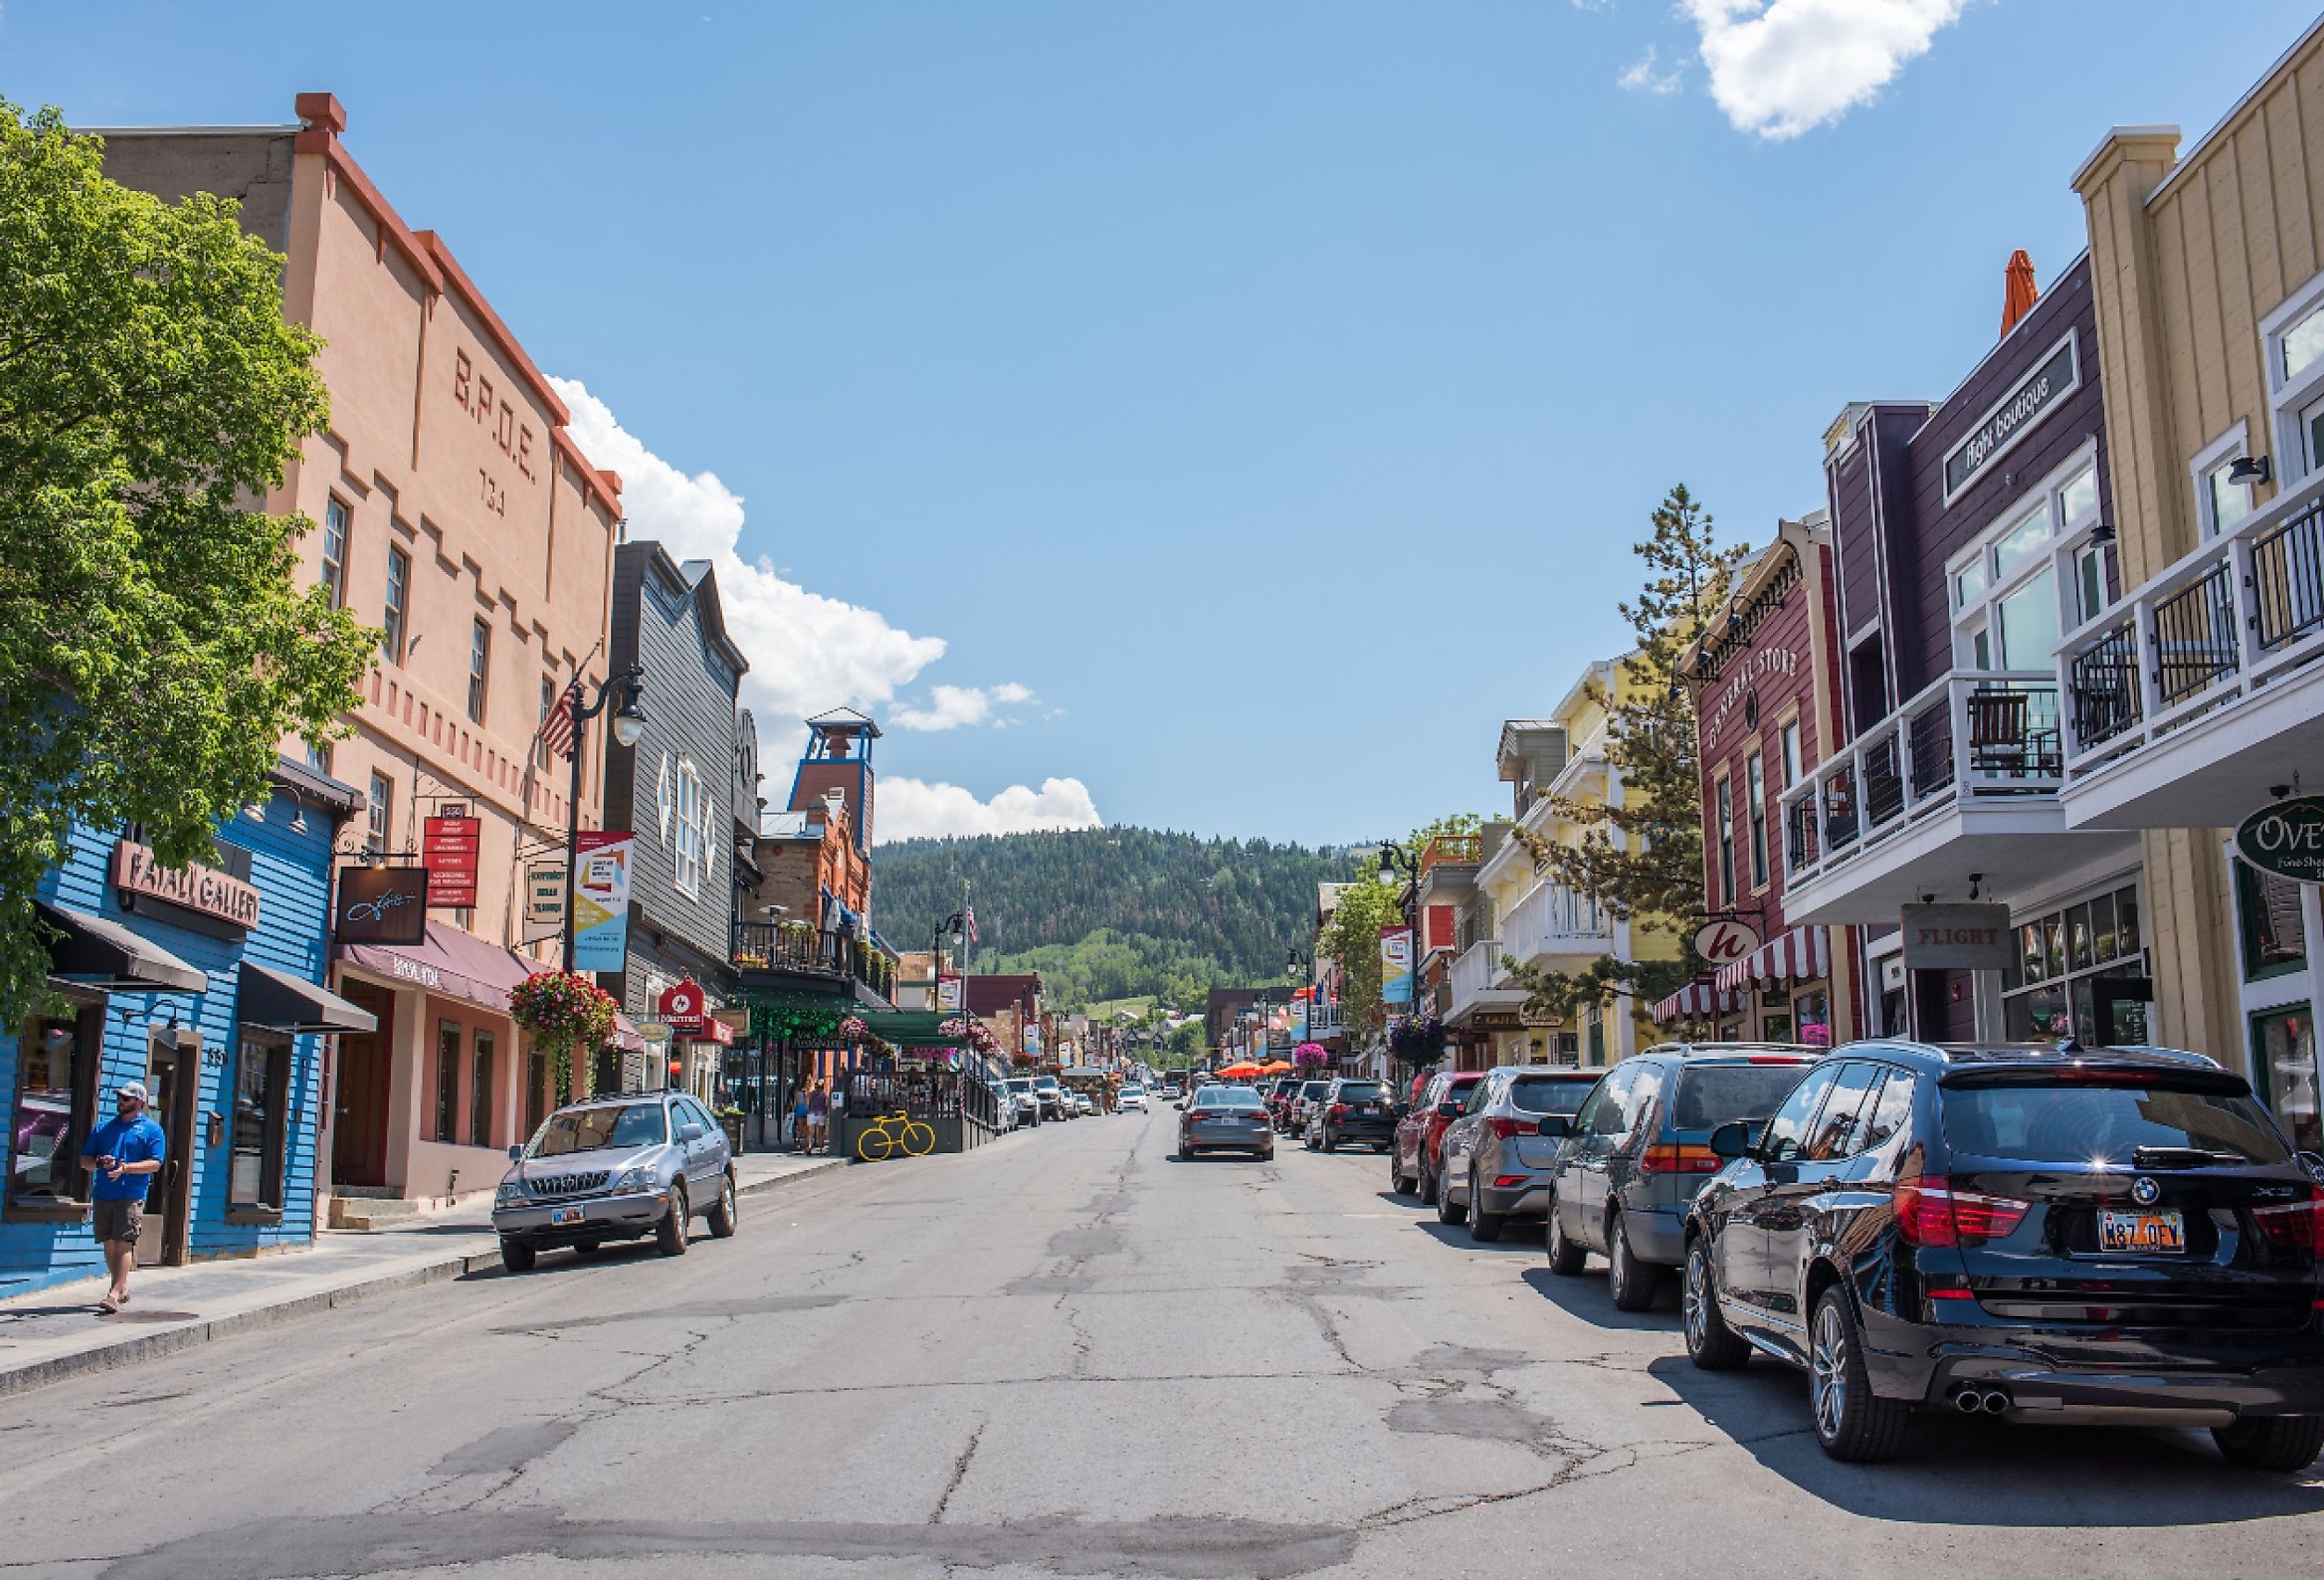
x: 1205, y: 415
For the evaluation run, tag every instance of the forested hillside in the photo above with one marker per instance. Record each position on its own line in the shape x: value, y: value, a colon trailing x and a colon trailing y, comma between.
x: 1108, y: 913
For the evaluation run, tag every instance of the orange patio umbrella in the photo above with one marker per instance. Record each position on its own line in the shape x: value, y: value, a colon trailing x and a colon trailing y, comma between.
x: 1276, y: 1067
x: 1235, y: 1071
x: 2019, y: 291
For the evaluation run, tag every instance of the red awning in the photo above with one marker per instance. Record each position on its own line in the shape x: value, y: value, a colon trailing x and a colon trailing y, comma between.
x: 1697, y: 1000
x: 1801, y: 955
x: 461, y: 965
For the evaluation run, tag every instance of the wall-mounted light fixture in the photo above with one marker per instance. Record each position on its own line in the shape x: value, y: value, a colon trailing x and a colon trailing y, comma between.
x: 2249, y: 469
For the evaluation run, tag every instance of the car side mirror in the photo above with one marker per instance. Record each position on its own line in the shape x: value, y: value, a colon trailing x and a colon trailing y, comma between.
x: 1554, y: 1127
x: 516, y: 1154
x: 1180, y: 1103
x: 689, y: 1132
x: 1448, y: 1111
x: 1732, y: 1140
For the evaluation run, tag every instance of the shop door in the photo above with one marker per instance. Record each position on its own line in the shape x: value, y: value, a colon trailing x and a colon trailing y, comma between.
x: 2118, y: 1009
x: 2284, y: 1061
x: 359, y: 1117
x: 172, y: 1075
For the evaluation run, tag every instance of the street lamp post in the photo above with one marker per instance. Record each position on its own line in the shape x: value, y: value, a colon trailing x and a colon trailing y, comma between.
x: 1392, y: 856
x: 628, y: 724
x: 956, y: 925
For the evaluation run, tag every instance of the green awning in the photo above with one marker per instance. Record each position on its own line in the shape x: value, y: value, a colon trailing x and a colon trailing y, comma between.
x: 915, y: 1028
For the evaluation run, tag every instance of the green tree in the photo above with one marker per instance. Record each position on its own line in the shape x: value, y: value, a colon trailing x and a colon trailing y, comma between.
x: 153, y: 647
x: 1642, y: 861
x: 1352, y: 939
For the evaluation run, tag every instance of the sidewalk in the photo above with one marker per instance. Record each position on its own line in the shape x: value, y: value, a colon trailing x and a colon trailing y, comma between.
x: 57, y: 1333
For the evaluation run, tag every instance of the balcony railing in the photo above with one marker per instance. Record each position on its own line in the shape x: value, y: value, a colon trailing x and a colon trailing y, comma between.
x: 1553, y: 920
x: 2240, y: 613
x: 763, y: 946
x: 1476, y: 978
x: 1453, y: 850
x: 1975, y: 735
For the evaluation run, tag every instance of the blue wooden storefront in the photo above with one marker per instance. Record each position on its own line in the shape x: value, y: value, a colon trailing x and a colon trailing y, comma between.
x: 242, y: 1044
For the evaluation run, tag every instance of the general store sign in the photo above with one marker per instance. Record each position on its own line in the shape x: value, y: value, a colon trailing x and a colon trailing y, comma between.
x: 2032, y: 397
x: 193, y: 887
x: 2286, y: 839
x: 1734, y: 687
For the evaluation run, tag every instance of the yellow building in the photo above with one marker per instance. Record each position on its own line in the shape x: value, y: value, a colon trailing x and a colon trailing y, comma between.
x: 1522, y: 912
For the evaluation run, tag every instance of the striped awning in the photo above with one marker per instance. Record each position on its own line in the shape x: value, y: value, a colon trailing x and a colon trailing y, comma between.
x: 1801, y: 955
x: 1697, y: 1000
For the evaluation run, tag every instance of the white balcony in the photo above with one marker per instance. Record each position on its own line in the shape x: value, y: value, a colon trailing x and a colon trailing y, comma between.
x: 1957, y: 786
x: 1555, y: 927
x: 1478, y: 984
x: 2199, y: 692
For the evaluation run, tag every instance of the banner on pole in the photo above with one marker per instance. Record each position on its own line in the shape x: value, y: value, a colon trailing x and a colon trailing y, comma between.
x: 601, y: 899
x: 1395, y: 965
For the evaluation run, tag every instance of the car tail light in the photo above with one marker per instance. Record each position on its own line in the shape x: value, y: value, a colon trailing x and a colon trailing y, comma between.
x: 1931, y: 1212
x: 1200, y: 1114
x: 1774, y: 1059
x: 1680, y: 1158
x: 1508, y: 1181
x: 2294, y: 1225
x: 1504, y: 1129
x: 1338, y: 1108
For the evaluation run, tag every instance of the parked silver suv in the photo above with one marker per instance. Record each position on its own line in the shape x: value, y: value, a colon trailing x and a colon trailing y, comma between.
x: 1496, y: 1164
x: 617, y: 1168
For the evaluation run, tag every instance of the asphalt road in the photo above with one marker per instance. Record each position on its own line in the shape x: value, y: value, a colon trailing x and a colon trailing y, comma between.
x: 1065, y: 1354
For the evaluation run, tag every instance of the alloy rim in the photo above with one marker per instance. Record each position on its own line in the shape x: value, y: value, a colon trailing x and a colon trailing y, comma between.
x: 1618, y: 1242
x: 1691, y: 1297
x: 1829, y: 1369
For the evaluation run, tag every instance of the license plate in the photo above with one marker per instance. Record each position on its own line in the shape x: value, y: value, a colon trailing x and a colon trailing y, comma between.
x: 2153, y: 1233
x: 566, y: 1215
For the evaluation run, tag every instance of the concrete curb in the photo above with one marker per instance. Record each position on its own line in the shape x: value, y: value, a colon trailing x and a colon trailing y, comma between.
x: 128, y: 1352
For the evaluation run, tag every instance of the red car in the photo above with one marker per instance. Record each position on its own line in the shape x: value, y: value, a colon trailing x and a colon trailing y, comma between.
x: 1419, y: 1154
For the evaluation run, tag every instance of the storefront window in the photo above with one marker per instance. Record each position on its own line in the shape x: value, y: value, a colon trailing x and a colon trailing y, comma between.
x: 1811, y: 1013
x: 254, y: 1172
x: 479, y: 1093
x: 2284, y: 1047
x: 1776, y: 1024
x: 447, y: 1081
x: 536, y: 1090
x: 2275, y: 934
x: 2050, y: 988
x: 55, y: 1077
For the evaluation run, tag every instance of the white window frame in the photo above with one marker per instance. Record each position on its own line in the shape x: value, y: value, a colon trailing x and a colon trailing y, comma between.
x: 662, y: 798
x: 2067, y: 539
x: 685, y: 872
x: 2235, y: 442
x: 2286, y: 397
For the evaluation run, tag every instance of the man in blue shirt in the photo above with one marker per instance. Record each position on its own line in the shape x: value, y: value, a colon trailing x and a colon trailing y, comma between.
x: 126, y: 1151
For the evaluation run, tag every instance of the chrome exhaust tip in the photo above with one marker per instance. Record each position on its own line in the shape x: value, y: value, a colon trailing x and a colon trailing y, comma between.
x: 1968, y: 1401
x: 1996, y: 1401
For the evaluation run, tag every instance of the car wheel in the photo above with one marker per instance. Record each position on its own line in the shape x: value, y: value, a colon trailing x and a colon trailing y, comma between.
x: 1483, y: 1227
x: 1267, y: 1156
x: 1428, y: 1184
x: 1850, y: 1422
x: 1630, y: 1280
x: 2279, y: 1443
x: 722, y: 1215
x: 1395, y: 1175
x: 1565, y: 1258
x: 670, y: 1234
x: 1710, y: 1343
x: 1446, y: 1213
x: 517, y: 1256
x: 1185, y: 1153
x: 1382, y: 1146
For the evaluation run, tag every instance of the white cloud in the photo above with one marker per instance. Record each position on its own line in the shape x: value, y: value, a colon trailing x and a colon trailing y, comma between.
x: 912, y: 808
x: 1642, y: 76
x: 951, y: 707
x: 1779, y: 68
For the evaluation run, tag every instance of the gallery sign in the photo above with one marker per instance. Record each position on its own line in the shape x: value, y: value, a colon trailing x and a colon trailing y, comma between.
x: 193, y: 887
x: 2286, y: 839
x: 381, y: 905
x: 1956, y: 938
x: 2013, y: 416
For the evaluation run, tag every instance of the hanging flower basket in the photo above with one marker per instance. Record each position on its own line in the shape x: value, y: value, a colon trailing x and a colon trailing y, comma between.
x: 1311, y: 1056
x: 561, y: 1010
x: 855, y: 1028
x: 1418, y: 1042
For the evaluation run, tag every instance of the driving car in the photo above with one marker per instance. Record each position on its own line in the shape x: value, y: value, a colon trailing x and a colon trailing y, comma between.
x: 1352, y: 1111
x: 619, y: 1169
x: 1023, y: 1101
x: 1221, y: 1117
x: 1308, y: 1091
x: 2063, y: 1235
x: 1084, y: 1103
x: 1497, y: 1163
x: 1132, y: 1095
x: 1279, y: 1093
x: 1418, y: 1150
x: 1639, y: 1150
x: 1054, y: 1103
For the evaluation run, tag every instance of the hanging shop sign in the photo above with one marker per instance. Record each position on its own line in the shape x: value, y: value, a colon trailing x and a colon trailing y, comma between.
x: 714, y: 1031
x: 682, y: 1006
x: 2013, y: 416
x: 449, y: 849
x: 1395, y: 965
x: 544, y: 900
x: 654, y: 1031
x: 194, y: 887
x: 2286, y: 839
x: 1956, y: 938
x: 381, y: 905
x: 1725, y: 942
x: 601, y: 899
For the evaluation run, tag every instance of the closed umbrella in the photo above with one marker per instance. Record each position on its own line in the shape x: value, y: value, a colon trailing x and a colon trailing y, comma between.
x: 2019, y: 291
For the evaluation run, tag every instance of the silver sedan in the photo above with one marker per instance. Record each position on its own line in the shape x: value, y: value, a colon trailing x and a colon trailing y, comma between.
x: 1224, y: 1119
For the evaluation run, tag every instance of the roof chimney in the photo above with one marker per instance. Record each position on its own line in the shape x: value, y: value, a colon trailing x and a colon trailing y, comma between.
x: 2018, y: 291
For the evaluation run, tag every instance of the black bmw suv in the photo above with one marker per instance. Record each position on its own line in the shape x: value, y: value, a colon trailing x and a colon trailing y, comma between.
x: 2067, y: 1235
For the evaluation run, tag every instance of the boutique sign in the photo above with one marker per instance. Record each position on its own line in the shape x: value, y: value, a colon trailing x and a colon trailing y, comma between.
x: 2286, y: 839
x: 2013, y: 416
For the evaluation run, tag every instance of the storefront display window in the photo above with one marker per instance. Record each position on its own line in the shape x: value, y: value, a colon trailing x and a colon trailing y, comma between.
x: 1811, y: 1015
x: 2274, y: 935
x: 479, y: 1093
x: 447, y: 1081
x: 2049, y: 990
x: 2283, y: 1046
x: 1776, y: 1025
x: 255, y: 1173
x: 55, y: 1077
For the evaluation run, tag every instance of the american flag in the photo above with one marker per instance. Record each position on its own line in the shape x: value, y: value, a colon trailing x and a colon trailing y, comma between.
x: 556, y: 729
x: 971, y: 918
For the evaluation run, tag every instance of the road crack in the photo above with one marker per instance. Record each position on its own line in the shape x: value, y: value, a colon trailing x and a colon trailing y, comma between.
x: 959, y: 1474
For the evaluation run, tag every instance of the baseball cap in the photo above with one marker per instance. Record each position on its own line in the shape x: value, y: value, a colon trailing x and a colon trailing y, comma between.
x: 132, y: 1089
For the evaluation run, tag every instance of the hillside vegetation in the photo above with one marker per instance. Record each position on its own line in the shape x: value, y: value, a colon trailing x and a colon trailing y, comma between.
x: 1111, y: 913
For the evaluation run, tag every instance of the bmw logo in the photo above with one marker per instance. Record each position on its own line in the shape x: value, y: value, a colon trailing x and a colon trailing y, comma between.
x: 2145, y: 1191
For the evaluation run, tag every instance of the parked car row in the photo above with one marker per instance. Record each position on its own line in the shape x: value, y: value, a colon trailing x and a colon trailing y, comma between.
x: 2061, y: 1235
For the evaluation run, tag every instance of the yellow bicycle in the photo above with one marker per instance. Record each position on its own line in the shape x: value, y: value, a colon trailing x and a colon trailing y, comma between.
x: 893, y: 1132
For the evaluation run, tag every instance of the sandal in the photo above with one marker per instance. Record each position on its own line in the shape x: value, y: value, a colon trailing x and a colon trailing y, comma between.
x: 108, y: 1307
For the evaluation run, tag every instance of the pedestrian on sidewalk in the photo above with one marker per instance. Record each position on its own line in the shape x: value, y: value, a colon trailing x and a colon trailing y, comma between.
x: 818, y: 1116
x: 798, y: 1119
x: 127, y: 1151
